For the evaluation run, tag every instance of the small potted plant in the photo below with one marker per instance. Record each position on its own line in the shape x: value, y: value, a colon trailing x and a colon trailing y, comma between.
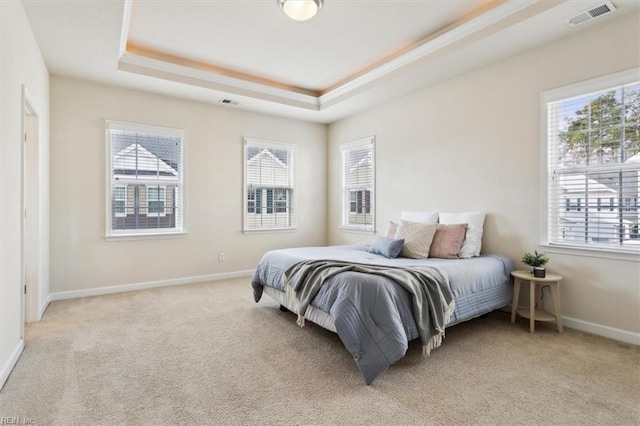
x: 536, y: 261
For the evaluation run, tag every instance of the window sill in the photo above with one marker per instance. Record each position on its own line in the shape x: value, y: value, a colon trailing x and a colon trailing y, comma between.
x: 357, y: 230
x: 268, y: 230
x: 589, y: 252
x: 149, y: 236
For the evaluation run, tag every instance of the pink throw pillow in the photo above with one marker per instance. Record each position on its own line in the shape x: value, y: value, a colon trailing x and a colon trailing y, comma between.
x: 448, y: 240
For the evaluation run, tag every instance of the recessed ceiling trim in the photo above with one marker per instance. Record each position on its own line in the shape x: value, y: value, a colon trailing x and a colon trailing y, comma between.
x: 134, y: 49
x: 201, y: 78
x: 438, y: 42
x: 415, y: 50
x: 495, y: 15
x: 124, y: 32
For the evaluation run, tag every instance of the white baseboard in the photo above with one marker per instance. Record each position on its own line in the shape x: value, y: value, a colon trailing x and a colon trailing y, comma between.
x: 592, y: 328
x: 602, y: 330
x: 13, y: 359
x: 75, y: 294
x: 44, y: 306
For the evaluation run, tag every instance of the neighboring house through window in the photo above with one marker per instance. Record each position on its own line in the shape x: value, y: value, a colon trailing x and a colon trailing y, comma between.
x: 269, y: 185
x: 358, y: 181
x: 593, y: 163
x: 145, y: 180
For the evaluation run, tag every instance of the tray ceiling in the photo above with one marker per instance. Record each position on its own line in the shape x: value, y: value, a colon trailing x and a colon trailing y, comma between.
x: 352, y: 55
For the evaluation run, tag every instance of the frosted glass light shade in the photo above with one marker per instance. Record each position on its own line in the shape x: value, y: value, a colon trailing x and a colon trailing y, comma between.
x: 301, y: 10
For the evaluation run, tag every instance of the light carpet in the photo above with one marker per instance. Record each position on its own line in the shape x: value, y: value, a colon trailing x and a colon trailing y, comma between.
x: 207, y: 354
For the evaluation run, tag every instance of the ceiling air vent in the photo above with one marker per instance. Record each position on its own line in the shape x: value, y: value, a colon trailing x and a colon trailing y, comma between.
x: 228, y: 102
x: 592, y: 13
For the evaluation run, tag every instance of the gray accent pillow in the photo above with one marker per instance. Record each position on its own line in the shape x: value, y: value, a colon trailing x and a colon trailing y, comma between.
x: 386, y: 247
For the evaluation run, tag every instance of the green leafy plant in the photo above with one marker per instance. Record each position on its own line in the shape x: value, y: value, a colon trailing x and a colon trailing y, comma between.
x: 535, y: 259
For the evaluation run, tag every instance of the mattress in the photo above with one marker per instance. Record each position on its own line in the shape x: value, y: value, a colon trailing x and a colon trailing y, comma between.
x: 479, y: 285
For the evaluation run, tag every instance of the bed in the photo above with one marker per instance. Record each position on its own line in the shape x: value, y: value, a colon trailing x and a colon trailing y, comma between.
x: 373, y: 315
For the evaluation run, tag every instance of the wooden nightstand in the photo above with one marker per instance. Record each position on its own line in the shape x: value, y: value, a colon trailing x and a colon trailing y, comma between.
x: 553, y: 281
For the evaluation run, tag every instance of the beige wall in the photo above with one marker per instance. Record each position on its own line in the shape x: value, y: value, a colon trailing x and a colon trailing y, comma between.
x: 22, y: 64
x: 473, y: 143
x: 83, y: 259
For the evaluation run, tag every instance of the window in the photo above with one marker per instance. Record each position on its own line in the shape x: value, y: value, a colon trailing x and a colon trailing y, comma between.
x: 145, y: 180
x: 360, y: 201
x: 270, y: 201
x: 358, y: 179
x: 280, y: 200
x: 119, y: 201
x: 251, y: 201
x: 572, y: 205
x: 630, y: 205
x: 155, y: 201
x: 269, y: 185
x: 593, y: 163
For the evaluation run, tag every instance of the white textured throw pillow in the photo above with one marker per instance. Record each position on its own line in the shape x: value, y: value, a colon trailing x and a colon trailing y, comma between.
x: 473, y: 240
x: 420, y: 217
x: 417, y: 238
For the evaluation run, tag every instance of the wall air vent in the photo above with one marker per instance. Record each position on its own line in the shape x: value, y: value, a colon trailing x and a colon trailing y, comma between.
x: 592, y: 13
x: 228, y: 102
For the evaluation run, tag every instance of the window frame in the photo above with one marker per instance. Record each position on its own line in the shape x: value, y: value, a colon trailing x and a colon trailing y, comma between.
x: 180, y: 184
x: 580, y: 89
x: 347, y: 191
x: 265, y: 204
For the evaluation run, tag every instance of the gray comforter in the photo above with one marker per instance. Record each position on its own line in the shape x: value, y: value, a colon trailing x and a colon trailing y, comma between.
x: 373, y: 314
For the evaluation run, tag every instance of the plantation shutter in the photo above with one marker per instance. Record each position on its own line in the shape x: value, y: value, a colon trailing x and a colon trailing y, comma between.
x: 145, y: 174
x: 269, y: 200
x: 593, y: 171
x: 358, y: 184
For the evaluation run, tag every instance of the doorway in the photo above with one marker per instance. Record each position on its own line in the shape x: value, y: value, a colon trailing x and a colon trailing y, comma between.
x: 30, y: 211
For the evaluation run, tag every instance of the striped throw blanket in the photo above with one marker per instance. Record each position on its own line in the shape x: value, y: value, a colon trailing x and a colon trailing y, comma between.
x: 431, y: 296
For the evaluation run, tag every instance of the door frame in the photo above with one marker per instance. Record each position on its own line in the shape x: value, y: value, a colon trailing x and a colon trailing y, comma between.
x: 30, y: 222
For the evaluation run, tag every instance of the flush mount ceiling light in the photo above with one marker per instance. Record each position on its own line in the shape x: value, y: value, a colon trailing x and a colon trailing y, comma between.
x: 301, y: 10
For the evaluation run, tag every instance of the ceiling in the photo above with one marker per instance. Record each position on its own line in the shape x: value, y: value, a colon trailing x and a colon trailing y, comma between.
x: 354, y: 54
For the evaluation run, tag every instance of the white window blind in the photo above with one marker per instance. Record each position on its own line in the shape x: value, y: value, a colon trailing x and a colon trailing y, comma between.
x: 145, y: 193
x: 593, y: 176
x: 358, y: 183
x: 269, y: 190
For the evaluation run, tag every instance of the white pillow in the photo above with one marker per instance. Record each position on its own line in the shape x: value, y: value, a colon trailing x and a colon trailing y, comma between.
x: 420, y: 217
x: 473, y: 240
